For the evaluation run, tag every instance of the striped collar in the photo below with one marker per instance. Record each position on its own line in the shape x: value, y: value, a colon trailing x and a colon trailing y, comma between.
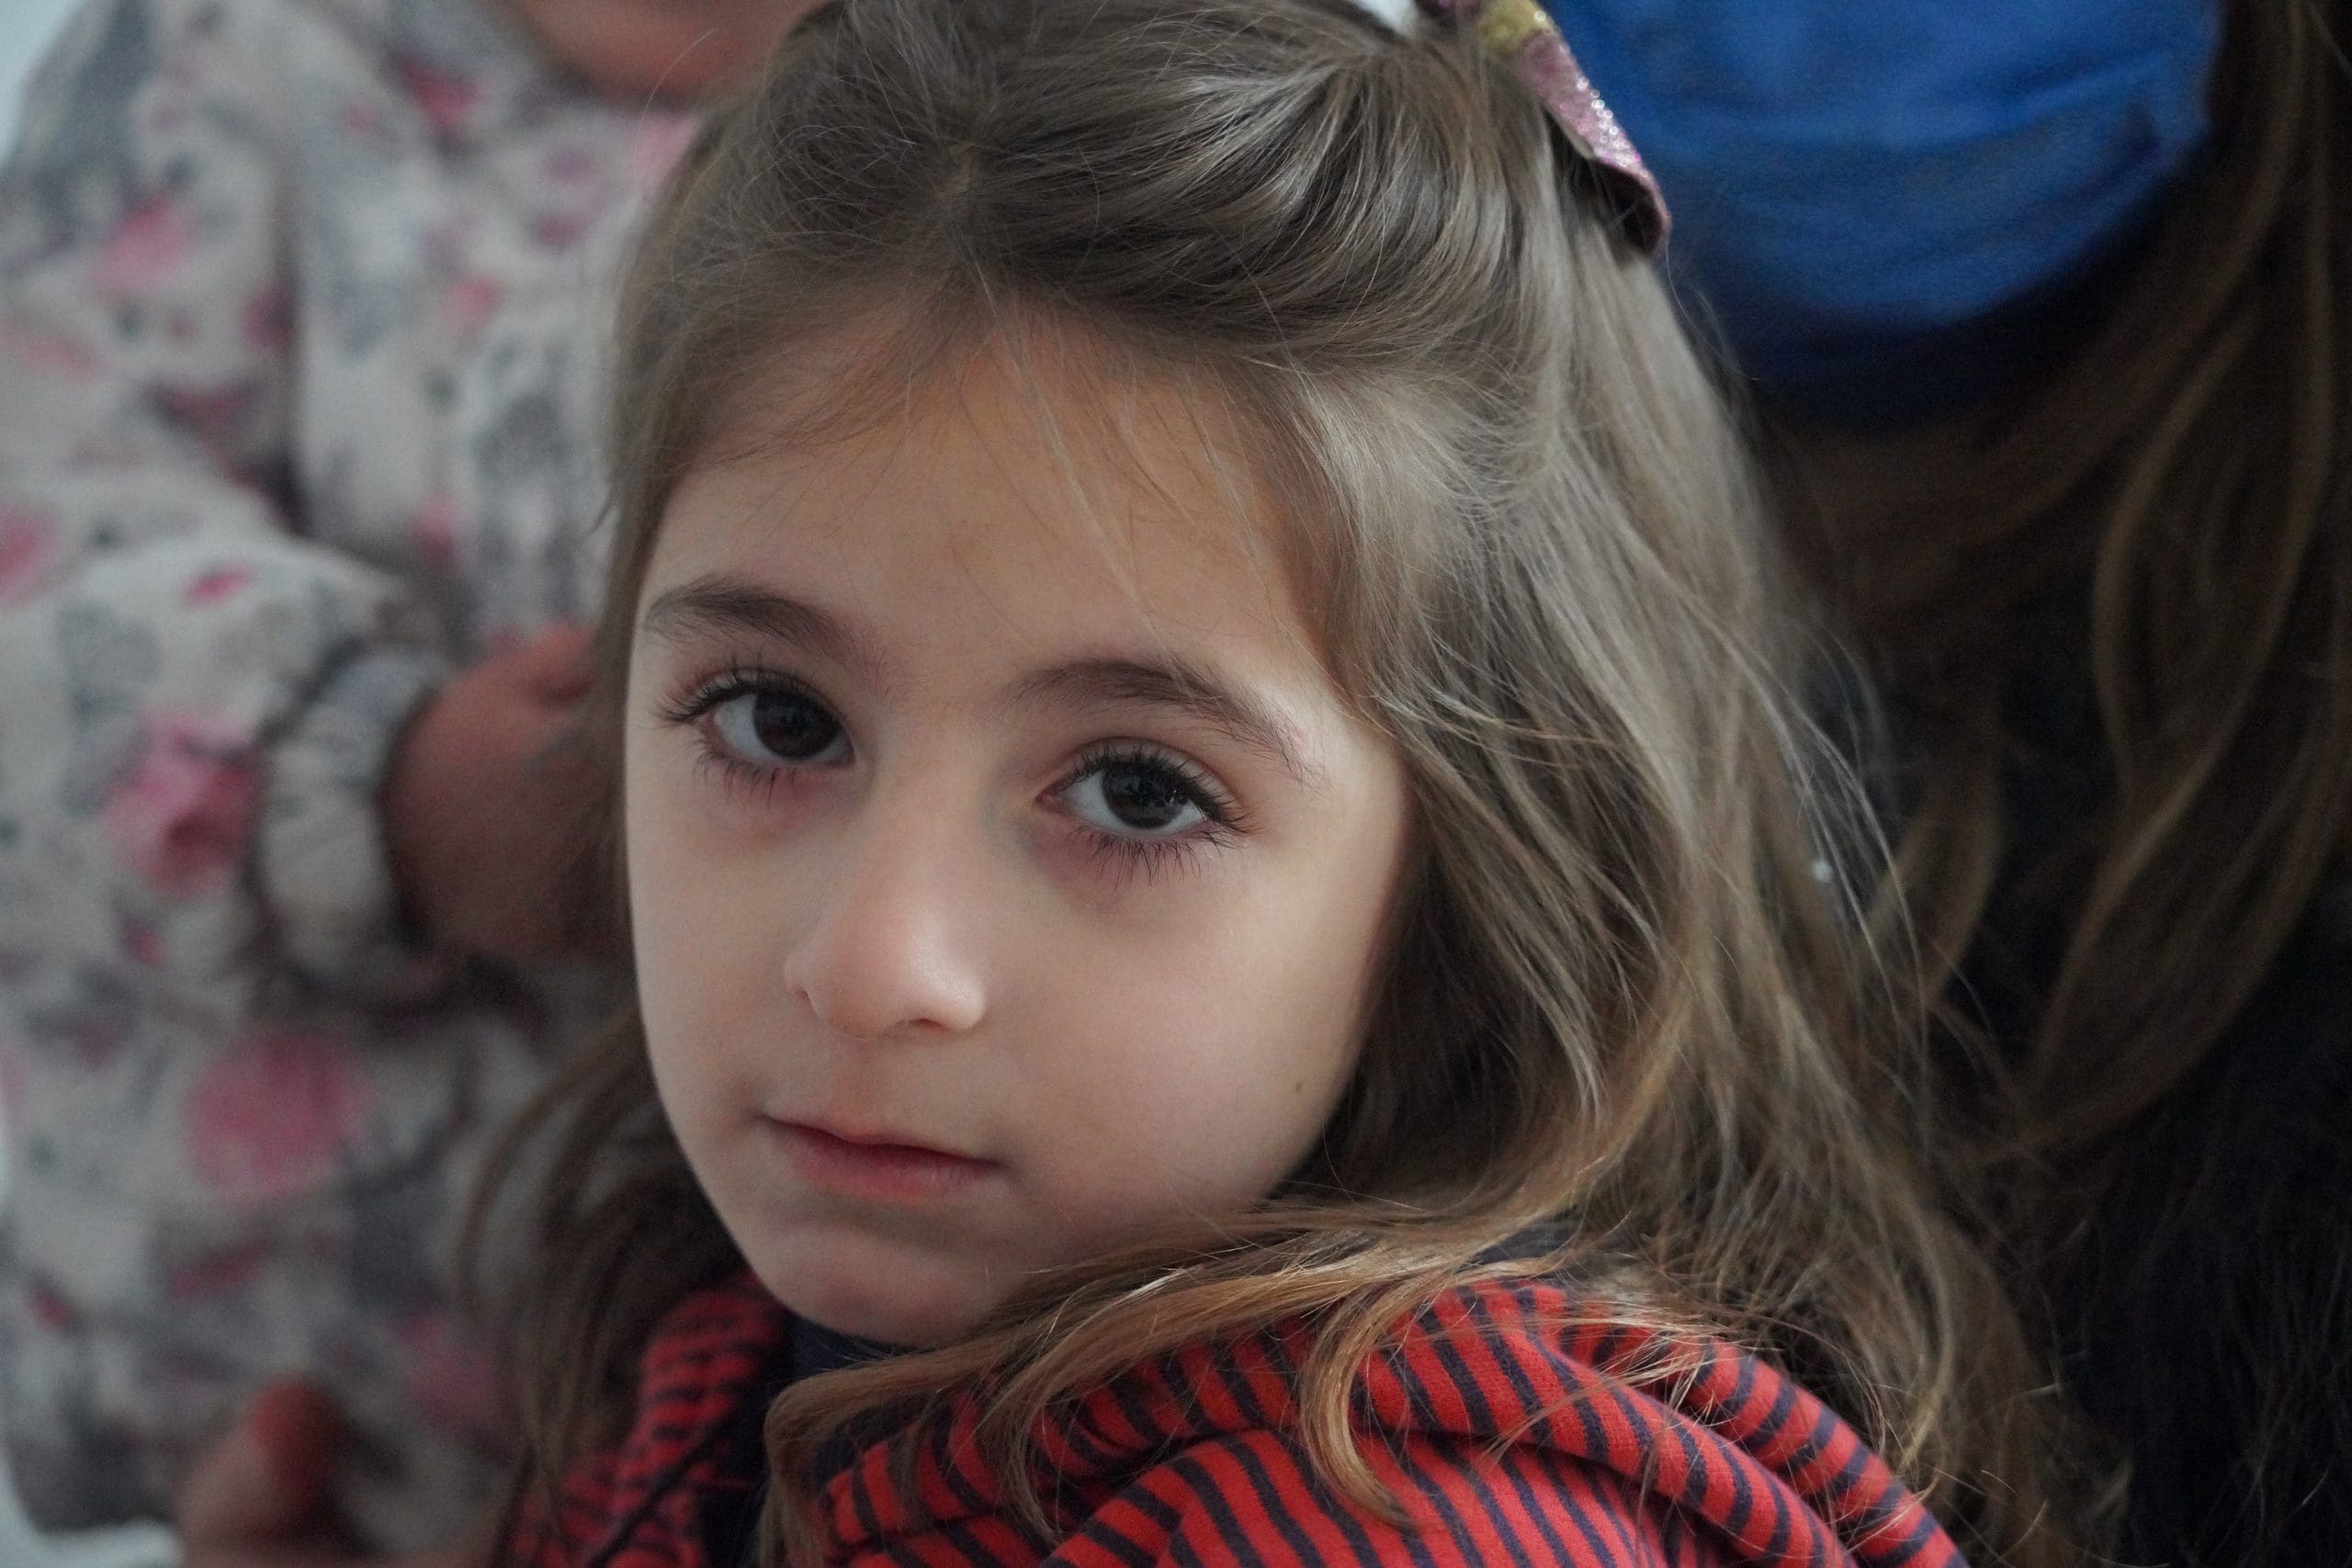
x: 1719, y: 1433
x: 1712, y: 1433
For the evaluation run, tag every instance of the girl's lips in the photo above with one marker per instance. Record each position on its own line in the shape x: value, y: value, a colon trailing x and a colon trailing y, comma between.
x: 902, y: 1173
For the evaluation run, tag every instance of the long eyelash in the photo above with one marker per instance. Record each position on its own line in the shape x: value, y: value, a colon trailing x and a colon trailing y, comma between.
x: 1130, y: 859
x: 1126, y: 859
x: 736, y: 681
x: 737, y: 776
x: 1220, y: 807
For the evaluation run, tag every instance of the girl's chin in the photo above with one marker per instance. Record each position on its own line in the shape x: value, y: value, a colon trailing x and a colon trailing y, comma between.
x: 879, y: 1289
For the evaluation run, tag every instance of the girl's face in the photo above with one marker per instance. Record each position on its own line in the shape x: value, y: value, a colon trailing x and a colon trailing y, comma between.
x: 668, y: 48
x: 1007, y: 876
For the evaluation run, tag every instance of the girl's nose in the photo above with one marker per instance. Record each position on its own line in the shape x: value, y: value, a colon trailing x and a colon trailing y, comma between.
x: 890, y: 948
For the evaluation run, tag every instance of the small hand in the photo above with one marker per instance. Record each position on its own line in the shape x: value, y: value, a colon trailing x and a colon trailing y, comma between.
x: 485, y: 807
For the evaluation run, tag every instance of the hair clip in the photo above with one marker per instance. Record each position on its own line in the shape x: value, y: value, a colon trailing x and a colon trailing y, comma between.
x: 1521, y: 32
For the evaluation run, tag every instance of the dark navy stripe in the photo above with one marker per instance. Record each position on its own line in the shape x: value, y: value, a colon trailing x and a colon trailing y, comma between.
x: 1109, y: 1444
x: 1582, y: 1400
x: 1530, y: 1404
x: 1183, y: 1391
x: 1434, y: 1490
x: 1109, y: 1537
x: 1578, y: 1382
x: 1217, y: 1507
x: 1238, y: 1383
x: 1158, y: 1510
x: 1644, y: 1440
x: 1743, y: 1388
x: 1155, y: 1507
x: 1409, y: 1535
x: 1535, y: 1507
x: 951, y: 1472
x: 1697, y: 1477
x: 1278, y: 1357
x: 1451, y: 1454
x: 1777, y: 1543
x: 1226, y: 1378
x: 1474, y: 1399
x: 1924, y: 1532
x: 1523, y: 1296
x: 1674, y: 1534
x: 1634, y: 1497
x: 640, y: 1515
x: 1336, y: 1510
x: 1776, y: 1419
x: 965, y: 1541
x: 1849, y: 1474
x: 1125, y: 1394
x: 1273, y: 1502
x: 1631, y: 1506
x: 1809, y: 1448
x: 1416, y: 1396
x: 1571, y: 1488
x: 1081, y: 1442
x: 1743, y: 1500
x: 1605, y: 1349
x: 861, y: 1503
x: 966, y: 1494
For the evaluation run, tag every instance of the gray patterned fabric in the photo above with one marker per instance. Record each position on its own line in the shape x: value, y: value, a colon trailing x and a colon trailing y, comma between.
x: 300, y: 341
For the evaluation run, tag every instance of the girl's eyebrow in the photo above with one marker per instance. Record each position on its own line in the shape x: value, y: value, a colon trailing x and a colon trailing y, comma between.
x: 1175, y: 682
x: 725, y: 603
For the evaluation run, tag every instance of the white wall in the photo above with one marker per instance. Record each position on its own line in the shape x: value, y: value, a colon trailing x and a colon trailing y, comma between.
x: 26, y: 29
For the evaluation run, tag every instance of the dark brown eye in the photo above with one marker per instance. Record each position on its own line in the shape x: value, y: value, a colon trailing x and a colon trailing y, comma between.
x: 776, y: 726
x: 1137, y: 797
x: 1143, y: 798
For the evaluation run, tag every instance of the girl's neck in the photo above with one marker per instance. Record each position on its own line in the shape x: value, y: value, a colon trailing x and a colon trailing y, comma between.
x: 814, y: 1349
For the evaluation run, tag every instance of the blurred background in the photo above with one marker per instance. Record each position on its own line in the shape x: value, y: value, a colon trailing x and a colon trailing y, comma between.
x: 26, y: 28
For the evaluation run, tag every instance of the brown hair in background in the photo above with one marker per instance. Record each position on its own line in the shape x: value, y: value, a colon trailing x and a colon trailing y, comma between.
x: 2174, y: 493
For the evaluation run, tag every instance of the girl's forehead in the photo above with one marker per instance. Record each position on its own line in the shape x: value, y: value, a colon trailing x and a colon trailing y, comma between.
x: 1013, y: 498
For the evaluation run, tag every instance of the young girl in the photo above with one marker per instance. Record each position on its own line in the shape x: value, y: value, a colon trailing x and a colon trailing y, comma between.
x: 299, y: 359
x: 1238, y: 946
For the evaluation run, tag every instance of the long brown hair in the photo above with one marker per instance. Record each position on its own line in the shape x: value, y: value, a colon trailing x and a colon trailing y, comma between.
x: 2165, y: 516
x: 1626, y: 1000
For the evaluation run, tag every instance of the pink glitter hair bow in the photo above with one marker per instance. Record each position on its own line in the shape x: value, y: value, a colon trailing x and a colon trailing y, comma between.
x: 1523, y: 33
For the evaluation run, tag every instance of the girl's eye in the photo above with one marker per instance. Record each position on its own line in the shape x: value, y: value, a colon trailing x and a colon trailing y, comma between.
x: 1137, y: 797
x: 768, y: 728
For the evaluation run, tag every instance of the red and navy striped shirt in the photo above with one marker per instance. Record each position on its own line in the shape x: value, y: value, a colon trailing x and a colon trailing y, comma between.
x: 1509, y: 1439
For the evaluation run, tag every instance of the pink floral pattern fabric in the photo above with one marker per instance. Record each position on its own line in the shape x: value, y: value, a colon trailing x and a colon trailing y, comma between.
x: 301, y: 325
